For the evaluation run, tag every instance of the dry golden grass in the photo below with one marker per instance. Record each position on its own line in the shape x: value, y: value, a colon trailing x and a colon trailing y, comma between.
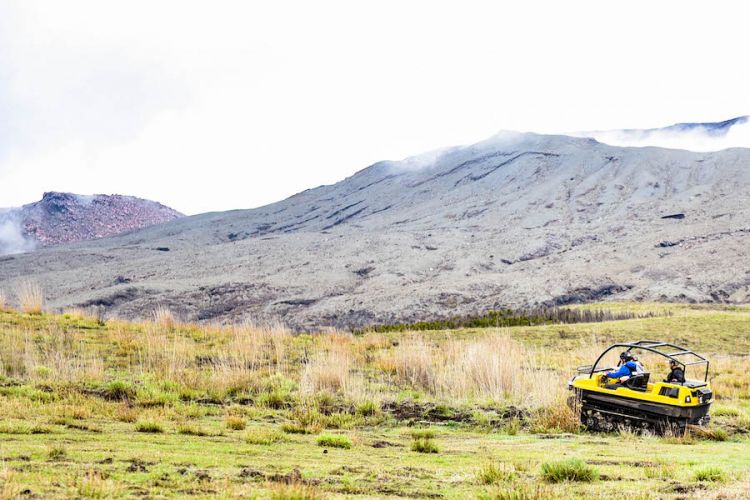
x: 179, y: 361
x: 328, y: 371
x: 31, y: 297
x: 164, y: 317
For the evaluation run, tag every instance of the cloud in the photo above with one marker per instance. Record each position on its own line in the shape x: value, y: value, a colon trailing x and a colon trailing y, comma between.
x: 701, y: 137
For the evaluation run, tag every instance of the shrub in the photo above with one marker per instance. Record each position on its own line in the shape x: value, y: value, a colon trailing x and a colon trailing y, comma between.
x: 334, y: 441
x: 149, y: 426
x: 424, y: 445
x: 31, y: 298
x: 711, y: 474
x: 569, y: 470
x: 265, y: 437
x: 235, y: 423
x: 492, y: 474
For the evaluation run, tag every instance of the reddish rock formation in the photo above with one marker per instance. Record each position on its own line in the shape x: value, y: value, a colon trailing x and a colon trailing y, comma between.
x: 65, y: 217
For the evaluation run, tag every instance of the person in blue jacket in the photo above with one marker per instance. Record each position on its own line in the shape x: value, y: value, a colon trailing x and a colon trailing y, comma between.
x: 627, y: 368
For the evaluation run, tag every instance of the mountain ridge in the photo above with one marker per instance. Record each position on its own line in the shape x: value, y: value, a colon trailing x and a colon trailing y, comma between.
x: 513, y: 221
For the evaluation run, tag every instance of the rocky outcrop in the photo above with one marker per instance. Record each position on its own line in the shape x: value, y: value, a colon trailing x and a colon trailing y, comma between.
x: 65, y: 217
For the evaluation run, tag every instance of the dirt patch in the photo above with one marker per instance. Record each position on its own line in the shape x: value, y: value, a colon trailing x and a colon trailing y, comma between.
x: 677, y: 487
x: 137, y: 465
x: 253, y: 474
x: 413, y: 411
x: 633, y: 463
x: 293, y: 477
x: 347, y: 469
x: 385, y: 444
x: 203, y: 476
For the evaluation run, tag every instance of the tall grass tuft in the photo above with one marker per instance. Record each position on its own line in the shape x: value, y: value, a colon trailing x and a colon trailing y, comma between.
x: 710, y: 474
x: 164, y: 317
x: 572, y: 469
x: 3, y: 300
x: 31, y: 297
x: 328, y: 371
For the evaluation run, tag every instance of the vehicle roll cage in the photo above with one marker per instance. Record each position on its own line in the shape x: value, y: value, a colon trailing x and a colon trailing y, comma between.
x: 657, y: 347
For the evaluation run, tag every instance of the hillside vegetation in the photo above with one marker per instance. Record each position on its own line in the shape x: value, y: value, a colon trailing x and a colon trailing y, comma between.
x: 108, y: 408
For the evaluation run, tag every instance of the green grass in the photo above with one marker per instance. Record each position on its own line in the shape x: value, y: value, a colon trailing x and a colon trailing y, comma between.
x: 572, y: 469
x: 89, y: 437
x: 265, y: 437
x: 424, y: 445
x: 334, y: 441
x: 710, y: 474
x: 149, y: 427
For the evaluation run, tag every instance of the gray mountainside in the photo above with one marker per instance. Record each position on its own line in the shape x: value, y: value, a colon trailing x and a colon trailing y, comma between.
x: 516, y: 220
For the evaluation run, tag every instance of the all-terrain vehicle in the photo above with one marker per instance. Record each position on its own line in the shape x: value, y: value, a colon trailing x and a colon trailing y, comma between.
x: 638, y: 403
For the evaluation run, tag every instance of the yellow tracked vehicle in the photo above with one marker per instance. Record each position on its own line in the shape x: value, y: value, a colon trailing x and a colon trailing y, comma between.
x: 635, y: 402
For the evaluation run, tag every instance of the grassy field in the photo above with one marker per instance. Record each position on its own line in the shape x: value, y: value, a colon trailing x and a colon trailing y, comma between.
x: 102, y: 409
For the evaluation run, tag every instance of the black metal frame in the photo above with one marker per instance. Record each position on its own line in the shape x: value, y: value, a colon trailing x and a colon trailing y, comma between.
x: 653, y: 346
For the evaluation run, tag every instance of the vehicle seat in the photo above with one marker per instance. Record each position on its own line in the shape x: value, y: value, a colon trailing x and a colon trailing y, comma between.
x: 638, y: 382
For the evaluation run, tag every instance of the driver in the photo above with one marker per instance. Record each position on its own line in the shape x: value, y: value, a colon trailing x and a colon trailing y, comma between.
x: 626, y: 370
x: 676, y: 373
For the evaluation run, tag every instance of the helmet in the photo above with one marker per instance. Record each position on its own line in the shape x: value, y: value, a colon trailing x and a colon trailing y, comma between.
x: 626, y: 356
x: 672, y: 362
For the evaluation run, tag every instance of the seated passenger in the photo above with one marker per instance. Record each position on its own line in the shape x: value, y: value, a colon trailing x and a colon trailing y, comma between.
x: 639, y: 368
x: 676, y: 374
x: 627, y: 368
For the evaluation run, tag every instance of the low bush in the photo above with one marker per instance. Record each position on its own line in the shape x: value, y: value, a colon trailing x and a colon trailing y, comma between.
x: 569, y: 470
x: 334, y: 441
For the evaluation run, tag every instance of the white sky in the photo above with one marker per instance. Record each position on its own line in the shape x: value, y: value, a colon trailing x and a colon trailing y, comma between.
x: 219, y: 105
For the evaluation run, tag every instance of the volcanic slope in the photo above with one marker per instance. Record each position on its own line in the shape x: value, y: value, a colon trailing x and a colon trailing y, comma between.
x: 516, y: 220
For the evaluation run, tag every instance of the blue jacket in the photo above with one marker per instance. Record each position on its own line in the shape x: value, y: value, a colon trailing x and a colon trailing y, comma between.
x: 628, y: 369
